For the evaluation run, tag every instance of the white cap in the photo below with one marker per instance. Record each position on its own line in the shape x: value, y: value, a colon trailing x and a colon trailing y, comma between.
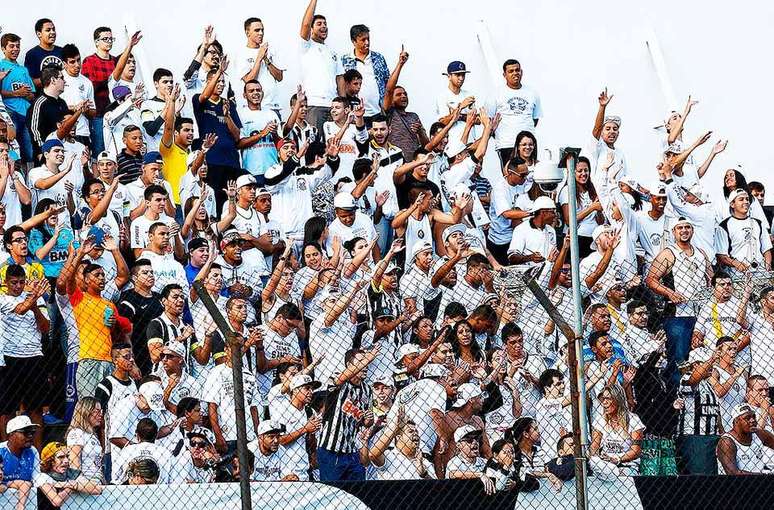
x: 303, y: 380
x: 736, y: 194
x: 700, y: 354
x: 418, y: 248
x: 106, y: 156
x: 598, y: 231
x: 434, y: 370
x: 406, y: 350
x: 19, y: 423
x: 262, y: 191
x: 741, y: 410
x: 458, y: 227
x: 697, y: 191
x: 344, y: 201
x: 269, y: 427
x: 384, y: 380
x: 245, y: 180
x: 542, y: 202
x: 454, y: 147
x: 463, y: 431
x: 153, y: 395
x: 681, y: 221
x: 465, y: 393
x: 174, y: 347
x: 660, y: 190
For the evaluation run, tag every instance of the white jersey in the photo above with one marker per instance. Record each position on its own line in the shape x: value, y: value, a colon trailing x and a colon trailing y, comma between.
x: 504, y: 197
x: 688, y: 277
x: 151, y: 110
x: 744, y: 239
x: 518, y: 109
x: 748, y: 457
x: 348, y: 146
x: 418, y: 231
x: 245, y: 61
x: 77, y: 90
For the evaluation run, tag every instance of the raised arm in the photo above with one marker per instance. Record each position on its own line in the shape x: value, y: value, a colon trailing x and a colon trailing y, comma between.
x: 719, y: 147
x: 443, y: 132
x: 683, y: 156
x: 267, y: 294
x: 343, y: 303
x: 168, y: 114
x: 381, y: 267
x: 599, y: 120
x: 293, y: 117
x: 392, y: 81
x: 306, y: 22
x: 209, y: 87
x: 388, y: 434
x: 357, y: 260
x: 484, y: 141
x: 678, y: 130
x: 124, y: 57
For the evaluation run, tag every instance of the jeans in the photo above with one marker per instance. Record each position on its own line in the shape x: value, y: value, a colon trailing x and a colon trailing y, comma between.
x: 339, y: 466
x: 22, y: 136
x: 386, y: 233
x: 317, y: 116
x: 98, y: 143
x: 678, y: 343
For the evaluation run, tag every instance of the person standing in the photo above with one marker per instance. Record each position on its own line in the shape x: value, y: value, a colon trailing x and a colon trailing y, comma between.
x: 17, y: 90
x: 78, y: 92
x: 258, y: 61
x: 371, y: 66
x: 46, y: 53
x: 519, y: 108
x: 48, y: 109
x: 258, y: 135
x: 321, y: 70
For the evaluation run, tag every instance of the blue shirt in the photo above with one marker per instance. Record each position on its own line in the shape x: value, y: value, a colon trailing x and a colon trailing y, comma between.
x: 14, y: 80
x: 210, y: 119
x: 37, y: 58
x: 15, y: 468
x: 53, y: 263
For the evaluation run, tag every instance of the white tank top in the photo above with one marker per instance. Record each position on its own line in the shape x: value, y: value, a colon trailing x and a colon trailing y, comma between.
x: 418, y: 231
x: 732, y: 398
x: 688, y: 275
x: 748, y: 458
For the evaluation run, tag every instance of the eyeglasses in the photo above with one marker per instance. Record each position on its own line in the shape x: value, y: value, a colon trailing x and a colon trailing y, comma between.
x: 198, y: 444
x: 28, y: 432
x: 107, y: 39
x: 19, y: 240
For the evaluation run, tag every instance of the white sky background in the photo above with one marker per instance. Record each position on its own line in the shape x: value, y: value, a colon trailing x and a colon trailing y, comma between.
x: 716, y: 51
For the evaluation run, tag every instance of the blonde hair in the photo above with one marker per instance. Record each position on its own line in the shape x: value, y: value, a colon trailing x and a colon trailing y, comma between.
x: 81, y: 413
x: 622, y: 409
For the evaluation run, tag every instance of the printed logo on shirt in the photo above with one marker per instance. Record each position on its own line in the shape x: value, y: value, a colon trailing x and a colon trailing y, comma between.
x: 351, y: 409
x: 301, y: 184
x: 51, y: 60
x: 421, y: 234
x: 517, y: 104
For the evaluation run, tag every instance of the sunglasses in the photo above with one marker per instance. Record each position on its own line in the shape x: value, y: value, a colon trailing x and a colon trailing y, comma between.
x: 198, y: 444
x: 169, y: 356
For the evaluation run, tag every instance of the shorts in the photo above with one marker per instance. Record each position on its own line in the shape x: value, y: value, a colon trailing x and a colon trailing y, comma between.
x: 89, y: 374
x: 22, y: 383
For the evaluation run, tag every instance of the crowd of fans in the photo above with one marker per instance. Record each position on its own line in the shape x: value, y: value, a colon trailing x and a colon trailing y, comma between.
x: 369, y: 272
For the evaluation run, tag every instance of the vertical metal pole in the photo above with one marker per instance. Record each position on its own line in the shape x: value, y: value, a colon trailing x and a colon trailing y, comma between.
x: 239, y: 392
x: 575, y: 351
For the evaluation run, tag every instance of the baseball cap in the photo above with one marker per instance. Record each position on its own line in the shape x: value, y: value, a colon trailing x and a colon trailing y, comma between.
x: 270, y: 427
x: 741, y: 410
x: 406, y: 350
x: 455, y: 67
x: 50, y: 450
x: 697, y: 191
x: 682, y: 220
x: 229, y: 236
x: 120, y: 92
x: 454, y: 147
x: 98, y: 235
x: 262, y: 191
x: 541, y: 203
x: 465, y: 393
x: 19, y: 423
x: 465, y: 430
x: 105, y: 156
x: 598, y: 231
x: 736, y: 194
x: 282, y: 141
x: 50, y: 144
x: 434, y: 370
x: 152, y: 157
x: 196, y: 243
x: 303, y: 380
x: 384, y: 380
x: 391, y: 268
x: 382, y: 312
x: 614, y: 119
x: 659, y: 191
x: 675, y: 147
x: 418, y: 248
x: 245, y: 180
x: 344, y: 201
x: 329, y: 293
x: 201, y: 433
x: 451, y: 229
x: 174, y: 348
x: 153, y: 394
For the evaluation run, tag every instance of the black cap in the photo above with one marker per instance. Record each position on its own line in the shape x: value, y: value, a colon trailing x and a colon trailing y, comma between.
x: 196, y: 243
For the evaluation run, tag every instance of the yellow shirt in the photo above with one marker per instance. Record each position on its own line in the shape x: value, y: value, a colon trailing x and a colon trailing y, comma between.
x: 90, y: 317
x: 33, y: 270
x: 175, y: 167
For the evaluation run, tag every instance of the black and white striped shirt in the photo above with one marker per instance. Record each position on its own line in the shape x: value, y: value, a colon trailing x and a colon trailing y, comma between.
x: 701, y: 414
x: 344, y: 410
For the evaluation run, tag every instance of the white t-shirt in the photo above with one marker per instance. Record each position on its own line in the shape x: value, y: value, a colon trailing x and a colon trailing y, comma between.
x: 348, y: 149
x: 91, y: 452
x: 504, y: 197
x: 219, y: 389
x: 19, y: 336
x: 11, y: 201
x: 743, y: 239
x: 190, y: 187
x: 399, y: 467
x: 448, y: 101
x: 333, y: 341
x: 616, y: 442
x: 527, y: 240
x: 587, y: 225
x: 135, y: 451
x: 186, y: 472
x: 263, y: 154
x: 363, y: 227
x: 295, y: 458
x: 135, y: 192
x: 138, y: 229
x: 276, y: 346
x: 125, y: 416
x: 166, y: 270
x: 761, y: 345
x: 151, y: 110
x: 518, y: 109
x: 419, y: 398
x: 245, y: 60
x: 76, y: 90
x: 319, y: 67
x: 58, y: 193
x: 458, y: 463
x: 551, y: 417
x: 71, y: 331
x: 269, y: 468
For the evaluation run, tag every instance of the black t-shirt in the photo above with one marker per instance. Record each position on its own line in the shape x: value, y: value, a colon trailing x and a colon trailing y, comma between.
x: 37, y: 58
x: 210, y: 119
x: 403, y: 188
x: 140, y: 310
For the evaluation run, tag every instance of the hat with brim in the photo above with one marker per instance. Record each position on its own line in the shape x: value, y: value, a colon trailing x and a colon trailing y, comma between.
x: 19, y: 424
x: 451, y: 229
x: 301, y: 380
x: 598, y: 231
x: 466, y: 432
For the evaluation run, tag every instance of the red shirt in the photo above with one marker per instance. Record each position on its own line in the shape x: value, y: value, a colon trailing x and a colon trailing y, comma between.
x: 98, y: 70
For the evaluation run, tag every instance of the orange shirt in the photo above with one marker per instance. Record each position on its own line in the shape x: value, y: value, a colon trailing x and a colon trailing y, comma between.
x: 90, y: 317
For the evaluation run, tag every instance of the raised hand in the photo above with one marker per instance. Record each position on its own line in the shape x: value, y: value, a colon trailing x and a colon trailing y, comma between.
x: 303, y: 148
x: 231, y: 189
x: 604, y: 98
x: 224, y: 62
x: 403, y: 56
x: 397, y: 246
x: 690, y: 104
x: 332, y: 148
x: 209, y: 36
x: 468, y: 101
x: 135, y: 39
x: 210, y: 139
x: 109, y: 242
x: 300, y: 95
x: 420, y: 198
x: 719, y: 147
x: 704, y: 139
x: 359, y: 110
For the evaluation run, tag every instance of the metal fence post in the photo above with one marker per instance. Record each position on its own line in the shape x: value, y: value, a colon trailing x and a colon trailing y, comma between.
x: 239, y: 392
